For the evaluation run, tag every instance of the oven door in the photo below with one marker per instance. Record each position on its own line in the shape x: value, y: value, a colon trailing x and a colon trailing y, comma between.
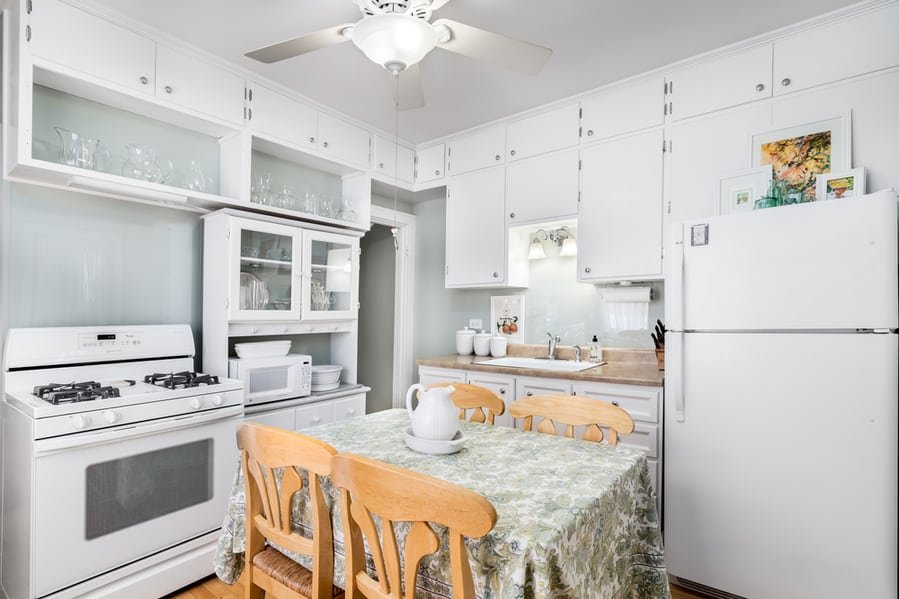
x: 105, y: 499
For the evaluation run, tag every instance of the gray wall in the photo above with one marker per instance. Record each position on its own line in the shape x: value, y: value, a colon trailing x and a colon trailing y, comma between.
x: 377, y: 282
x: 554, y: 301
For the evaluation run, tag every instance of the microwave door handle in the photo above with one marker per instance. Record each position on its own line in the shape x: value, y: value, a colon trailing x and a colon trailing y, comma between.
x: 44, y: 447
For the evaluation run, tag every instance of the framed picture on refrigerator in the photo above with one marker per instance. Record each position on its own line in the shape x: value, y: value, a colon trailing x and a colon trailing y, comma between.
x: 737, y: 191
x: 800, y: 153
x: 847, y: 184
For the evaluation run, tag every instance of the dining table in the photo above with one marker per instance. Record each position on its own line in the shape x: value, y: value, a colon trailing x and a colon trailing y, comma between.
x: 575, y: 518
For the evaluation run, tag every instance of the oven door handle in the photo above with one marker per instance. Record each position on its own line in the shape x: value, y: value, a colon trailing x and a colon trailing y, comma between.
x: 45, y: 447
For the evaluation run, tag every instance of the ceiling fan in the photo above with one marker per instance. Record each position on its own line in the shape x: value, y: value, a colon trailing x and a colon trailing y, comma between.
x: 397, y: 34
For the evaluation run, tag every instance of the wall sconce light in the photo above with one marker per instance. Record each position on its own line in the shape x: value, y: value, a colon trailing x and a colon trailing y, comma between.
x: 561, y: 237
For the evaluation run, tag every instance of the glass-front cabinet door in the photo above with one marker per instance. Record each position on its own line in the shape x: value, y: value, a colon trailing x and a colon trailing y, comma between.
x: 330, y: 276
x: 265, y: 276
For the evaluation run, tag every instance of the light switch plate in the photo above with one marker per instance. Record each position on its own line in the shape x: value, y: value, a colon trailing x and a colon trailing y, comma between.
x: 475, y: 323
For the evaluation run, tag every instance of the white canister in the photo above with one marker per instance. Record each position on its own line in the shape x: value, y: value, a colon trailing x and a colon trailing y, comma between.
x: 498, y: 345
x: 464, y: 342
x: 482, y: 344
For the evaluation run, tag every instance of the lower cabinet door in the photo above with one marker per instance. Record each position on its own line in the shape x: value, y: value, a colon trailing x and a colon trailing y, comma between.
x: 428, y: 375
x: 349, y: 407
x: 284, y: 418
x: 502, y: 385
x: 314, y: 414
x: 530, y: 386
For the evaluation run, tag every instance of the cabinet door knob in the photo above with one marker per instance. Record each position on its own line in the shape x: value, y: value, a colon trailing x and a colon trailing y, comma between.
x: 437, y: 173
x: 502, y: 390
x: 498, y: 157
x: 760, y: 87
x: 316, y: 420
x: 529, y: 393
x: 587, y: 269
x: 511, y: 215
x: 614, y: 403
x: 324, y: 144
x: 496, y: 275
x: 589, y: 132
x: 380, y: 165
x: 512, y: 152
x: 168, y: 89
x: 312, y: 140
x: 143, y: 80
x: 785, y: 81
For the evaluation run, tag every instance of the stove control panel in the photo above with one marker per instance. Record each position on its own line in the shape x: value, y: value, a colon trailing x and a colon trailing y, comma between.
x: 108, y: 341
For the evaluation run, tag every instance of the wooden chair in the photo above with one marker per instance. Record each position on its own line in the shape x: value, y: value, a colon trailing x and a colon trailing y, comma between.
x: 477, y: 399
x: 264, y: 449
x: 368, y: 487
x: 572, y: 411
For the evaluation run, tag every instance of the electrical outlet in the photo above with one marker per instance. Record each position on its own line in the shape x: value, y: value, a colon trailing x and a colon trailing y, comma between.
x: 475, y: 323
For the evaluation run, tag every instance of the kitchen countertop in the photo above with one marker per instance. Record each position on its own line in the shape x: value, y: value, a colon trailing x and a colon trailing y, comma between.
x: 624, y: 366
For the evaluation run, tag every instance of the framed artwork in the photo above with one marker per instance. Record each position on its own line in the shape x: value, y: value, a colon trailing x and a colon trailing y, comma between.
x: 799, y: 154
x: 507, y: 317
x: 846, y: 184
x: 737, y: 191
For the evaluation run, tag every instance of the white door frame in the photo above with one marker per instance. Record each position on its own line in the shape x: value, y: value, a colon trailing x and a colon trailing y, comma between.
x: 403, y: 296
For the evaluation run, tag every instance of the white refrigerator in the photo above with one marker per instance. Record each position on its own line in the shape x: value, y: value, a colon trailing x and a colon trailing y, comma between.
x: 781, y: 401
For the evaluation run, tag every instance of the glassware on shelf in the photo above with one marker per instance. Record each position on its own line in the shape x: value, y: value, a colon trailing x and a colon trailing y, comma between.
x: 321, y: 297
x: 261, y: 190
x: 68, y: 141
x: 82, y: 152
x: 284, y: 199
x: 346, y: 211
x: 143, y: 164
x: 309, y: 202
x: 196, y: 180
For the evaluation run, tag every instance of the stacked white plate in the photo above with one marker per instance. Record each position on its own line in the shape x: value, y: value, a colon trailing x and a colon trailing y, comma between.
x: 262, y: 349
x: 325, y: 377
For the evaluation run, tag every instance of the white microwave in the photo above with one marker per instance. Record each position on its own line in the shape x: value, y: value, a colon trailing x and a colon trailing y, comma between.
x: 273, y: 378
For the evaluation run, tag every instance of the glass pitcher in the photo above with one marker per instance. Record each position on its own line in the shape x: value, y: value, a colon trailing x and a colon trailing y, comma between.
x: 142, y: 164
x: 68, y: 142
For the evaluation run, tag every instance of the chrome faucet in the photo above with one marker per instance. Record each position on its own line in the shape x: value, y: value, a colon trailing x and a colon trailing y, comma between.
x: 577, y: 353
x: 551, y: 348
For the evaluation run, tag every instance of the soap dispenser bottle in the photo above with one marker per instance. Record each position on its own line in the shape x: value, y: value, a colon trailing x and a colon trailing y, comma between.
x: 595, y: 350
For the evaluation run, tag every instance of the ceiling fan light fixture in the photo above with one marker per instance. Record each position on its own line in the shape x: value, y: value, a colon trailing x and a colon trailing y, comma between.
x: 394, y: 41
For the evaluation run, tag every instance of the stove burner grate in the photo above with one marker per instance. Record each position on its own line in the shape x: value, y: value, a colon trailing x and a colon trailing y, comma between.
x: 181, y: 380
x: 62, y: 393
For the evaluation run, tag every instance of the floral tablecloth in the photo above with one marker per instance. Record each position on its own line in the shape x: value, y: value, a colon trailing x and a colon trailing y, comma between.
x: 575, y: 518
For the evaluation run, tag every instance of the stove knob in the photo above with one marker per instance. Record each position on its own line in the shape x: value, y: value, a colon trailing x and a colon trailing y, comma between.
x: 217, y: 400
x: 80, y: 421
x: 110, y: 416
x: 195, y: 403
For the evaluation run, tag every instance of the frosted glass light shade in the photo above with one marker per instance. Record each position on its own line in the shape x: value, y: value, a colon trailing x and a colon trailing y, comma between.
x: 394, y: 41
x: 569, y: 247
x: 536, y: 251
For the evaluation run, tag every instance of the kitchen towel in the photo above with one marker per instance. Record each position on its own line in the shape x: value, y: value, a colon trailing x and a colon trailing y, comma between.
x: 628, y: 307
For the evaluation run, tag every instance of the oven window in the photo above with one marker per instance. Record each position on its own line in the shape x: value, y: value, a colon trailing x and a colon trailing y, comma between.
x: 267, y: 380
x: 138, y: 488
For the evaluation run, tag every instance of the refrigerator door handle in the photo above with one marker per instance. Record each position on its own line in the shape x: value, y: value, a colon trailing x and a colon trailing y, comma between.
x: 674, y: 350
x: 674, y: 281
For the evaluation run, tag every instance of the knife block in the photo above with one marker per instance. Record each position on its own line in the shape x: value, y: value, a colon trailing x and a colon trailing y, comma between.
x: 660, y: 358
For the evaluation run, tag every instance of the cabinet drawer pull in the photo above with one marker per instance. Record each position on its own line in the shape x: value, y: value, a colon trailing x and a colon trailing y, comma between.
x: 760, y: 87
x: 785, y: 81
x: 143, y: 80
x: 502, y: 391
x: 168, y: 89
x: 529, y: 393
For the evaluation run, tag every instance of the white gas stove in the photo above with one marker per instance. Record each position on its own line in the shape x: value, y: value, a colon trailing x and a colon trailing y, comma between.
x: 142, y: 449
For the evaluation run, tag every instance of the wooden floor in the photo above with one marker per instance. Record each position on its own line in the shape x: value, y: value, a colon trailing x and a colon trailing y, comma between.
x: 213, y: 588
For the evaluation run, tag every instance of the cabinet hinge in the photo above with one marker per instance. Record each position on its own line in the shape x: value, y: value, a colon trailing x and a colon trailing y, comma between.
x: 580, y: 112
x: 580, y: 132
x: 671, y: 87
x: 28, y: 7
x: 244, y: 113
x: 579, y: 197
x: 446, y: 270
x: 663, y: 146
x: 669, y: 206
x: 249, y: 114
x: 27, y: 33
x: 251, y: 94
x: 665, y: 109
x: 580, y: 164
x: 670, y: 108
x: 246, y: 94
x: 666, y: 88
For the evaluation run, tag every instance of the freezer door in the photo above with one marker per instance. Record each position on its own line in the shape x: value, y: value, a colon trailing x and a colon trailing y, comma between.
x: 780, y: 481
x: 822, y: 265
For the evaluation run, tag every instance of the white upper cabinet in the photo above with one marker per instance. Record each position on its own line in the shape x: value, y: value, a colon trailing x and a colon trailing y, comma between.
x: 475, y: 243
x: 78, y: 40
x: 392, y: 160
x: 542, y: 188
x: 485, y: 147
x: 199, y: 85
x: 623, y: 109
x: 720, y: 83
x: 620, y: 219
x: 849, y: 46
x: 281, y: 117
x: 430, y: 163
x: 544, y: 132
x: 344, y: 141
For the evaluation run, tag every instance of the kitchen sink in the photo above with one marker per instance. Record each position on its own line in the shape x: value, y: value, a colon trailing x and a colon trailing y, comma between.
x: 541, y: 364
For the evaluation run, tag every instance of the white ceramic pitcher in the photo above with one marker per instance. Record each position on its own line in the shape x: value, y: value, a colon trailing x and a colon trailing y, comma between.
x: 436, y: 417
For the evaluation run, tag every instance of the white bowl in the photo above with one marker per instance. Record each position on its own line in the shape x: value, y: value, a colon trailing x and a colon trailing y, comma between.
x: 434, y: 447
x: 325, y: 368
x: 262, y: 349
x: 324, y: 387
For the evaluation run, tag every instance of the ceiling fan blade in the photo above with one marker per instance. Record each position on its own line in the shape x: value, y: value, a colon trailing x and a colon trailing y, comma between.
x: 301, y: 45
x: 409, y: 92
x: 435, y: 4
x: 493, y: 48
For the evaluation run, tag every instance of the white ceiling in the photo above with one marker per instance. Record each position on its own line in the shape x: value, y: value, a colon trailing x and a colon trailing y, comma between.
x: 594, y: 42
